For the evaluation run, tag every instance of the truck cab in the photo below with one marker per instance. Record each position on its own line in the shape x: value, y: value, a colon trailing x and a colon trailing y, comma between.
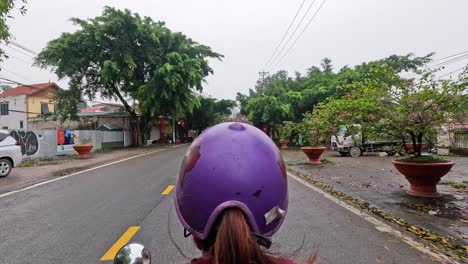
x: 348, y: 141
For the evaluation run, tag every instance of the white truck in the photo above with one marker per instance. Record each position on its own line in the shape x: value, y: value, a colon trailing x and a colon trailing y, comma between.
x: 352, y: 143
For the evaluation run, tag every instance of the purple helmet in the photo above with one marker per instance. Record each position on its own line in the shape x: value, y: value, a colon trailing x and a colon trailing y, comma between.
x: 232, y: 165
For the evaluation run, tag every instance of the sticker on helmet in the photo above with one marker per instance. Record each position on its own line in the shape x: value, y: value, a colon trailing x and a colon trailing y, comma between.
x: 274, y: 214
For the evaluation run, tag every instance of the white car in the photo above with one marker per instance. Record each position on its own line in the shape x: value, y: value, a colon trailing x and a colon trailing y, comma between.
x: 10, y: 153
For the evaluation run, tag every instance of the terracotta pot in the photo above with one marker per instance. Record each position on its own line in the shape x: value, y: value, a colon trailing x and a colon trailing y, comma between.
x: 83, y: 150
x: 423, y: 177
x: 410, y: 148
x: 284, y: 144
x: 314, y: 154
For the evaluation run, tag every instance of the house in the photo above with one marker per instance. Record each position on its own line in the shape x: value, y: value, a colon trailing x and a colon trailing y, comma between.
x: 19, y: 104
x: 103, y: 107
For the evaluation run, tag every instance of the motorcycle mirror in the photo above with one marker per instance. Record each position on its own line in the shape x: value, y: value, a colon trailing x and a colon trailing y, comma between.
x: 133, y: 253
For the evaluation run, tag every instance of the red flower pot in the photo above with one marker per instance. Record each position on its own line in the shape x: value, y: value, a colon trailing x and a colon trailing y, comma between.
x: 423, y: 177
x: 284, y: 144
x: 83, y: 150
x: 313, y: 153
x: 410, y: 148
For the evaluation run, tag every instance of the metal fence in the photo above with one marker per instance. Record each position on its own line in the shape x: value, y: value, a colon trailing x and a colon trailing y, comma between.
x: 459, y: 140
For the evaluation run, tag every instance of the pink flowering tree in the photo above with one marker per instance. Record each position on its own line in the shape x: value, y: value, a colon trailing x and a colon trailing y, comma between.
x: 386, y: 105
x: 416, y: 110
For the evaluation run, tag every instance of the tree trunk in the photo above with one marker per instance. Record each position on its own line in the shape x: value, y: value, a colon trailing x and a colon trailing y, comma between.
x: 413, y: 139
x: 419, y: 146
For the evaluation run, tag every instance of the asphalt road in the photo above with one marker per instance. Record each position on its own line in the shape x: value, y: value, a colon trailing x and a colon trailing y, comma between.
x: 78, y: 219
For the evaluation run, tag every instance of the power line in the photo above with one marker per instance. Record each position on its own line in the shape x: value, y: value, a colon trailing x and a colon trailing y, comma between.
x: 26, y: 112
x: 451, y: 60
x: 466, y: 51
x: 22, y: 47
x: 33, y: 87
x: 16, y: 74
x: 285, y: 34
x: 298, y: 37
x: 17, y: 50
x: 292, y: 34
x: 26, y: 85
x: 457, y: 70
x: 18, y: 58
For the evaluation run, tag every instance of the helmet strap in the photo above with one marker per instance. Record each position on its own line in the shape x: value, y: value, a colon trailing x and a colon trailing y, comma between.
x: 262, y: 241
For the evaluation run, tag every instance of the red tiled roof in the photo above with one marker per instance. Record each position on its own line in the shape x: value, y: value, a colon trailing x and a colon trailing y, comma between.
x: 29, y: 89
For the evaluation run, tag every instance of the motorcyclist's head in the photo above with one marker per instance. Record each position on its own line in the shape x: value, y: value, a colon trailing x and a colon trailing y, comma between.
x: 232, y: 182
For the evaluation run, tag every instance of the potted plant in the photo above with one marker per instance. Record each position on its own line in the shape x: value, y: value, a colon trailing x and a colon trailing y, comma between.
x: 83, y: 148
x: 419, y: 110
x: 286, y: 133
x: 312, y: 136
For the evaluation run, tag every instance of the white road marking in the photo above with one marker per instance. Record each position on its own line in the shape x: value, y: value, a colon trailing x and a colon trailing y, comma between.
x: 379, y: 225
x: 76, y: 173
x: 181, y: 145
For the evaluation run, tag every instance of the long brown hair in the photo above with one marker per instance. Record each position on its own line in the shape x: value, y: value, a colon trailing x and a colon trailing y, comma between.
x: 232, y: 242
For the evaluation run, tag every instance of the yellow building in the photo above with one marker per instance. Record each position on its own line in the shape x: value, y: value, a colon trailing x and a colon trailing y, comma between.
x: 26, y: 101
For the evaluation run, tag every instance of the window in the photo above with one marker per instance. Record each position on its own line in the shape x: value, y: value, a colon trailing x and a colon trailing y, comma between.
x: 44, y: 108
x: 5, y: 127
x: 4, y: 109
x: 21, y: 124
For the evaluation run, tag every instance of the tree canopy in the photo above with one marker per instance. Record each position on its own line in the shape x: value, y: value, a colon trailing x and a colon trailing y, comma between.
x: 211, y: 111
x: 120, y: 55
x: 6, y: 6
x: 386, y: 105
x: 279, y: 97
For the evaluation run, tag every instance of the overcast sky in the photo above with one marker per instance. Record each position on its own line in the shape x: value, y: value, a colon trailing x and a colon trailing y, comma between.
x: 247, y: 32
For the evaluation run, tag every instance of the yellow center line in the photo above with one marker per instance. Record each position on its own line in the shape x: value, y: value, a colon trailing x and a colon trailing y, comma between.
x: 168, y: 190
x: 122, y: 241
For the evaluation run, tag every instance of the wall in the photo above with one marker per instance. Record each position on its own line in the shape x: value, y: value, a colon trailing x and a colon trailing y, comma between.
x: 43, y: 143
x: 155, y: 134
x: 85, y: 122
x: 12, y: 120
x: 35, y: 101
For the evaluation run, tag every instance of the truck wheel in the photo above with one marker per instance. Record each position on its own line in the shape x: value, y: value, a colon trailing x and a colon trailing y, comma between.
x: 355, y: 152
x: 5, y: 167
x: 344, y: 154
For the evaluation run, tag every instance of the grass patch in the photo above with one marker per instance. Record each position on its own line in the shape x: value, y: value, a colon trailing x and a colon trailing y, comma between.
x: 456, y: 185
x: 38, y: 163
x: 424, y: 159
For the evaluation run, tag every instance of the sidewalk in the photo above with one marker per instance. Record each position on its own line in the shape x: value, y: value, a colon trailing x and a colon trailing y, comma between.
x: 25, y: 176
x: 374, y: 180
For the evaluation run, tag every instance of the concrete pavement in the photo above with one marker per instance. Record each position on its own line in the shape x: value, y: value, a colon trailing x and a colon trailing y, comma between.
x: 78, y: 219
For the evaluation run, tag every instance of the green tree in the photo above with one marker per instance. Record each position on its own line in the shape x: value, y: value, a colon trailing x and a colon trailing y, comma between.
x: 123, y: 257
x: 385, y: 105
x: 268, y: 110
x: 303, y: 93
x: 4, y: 88
x: 120, y: 55
x: 6, y: 6
x: 210, y: 112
